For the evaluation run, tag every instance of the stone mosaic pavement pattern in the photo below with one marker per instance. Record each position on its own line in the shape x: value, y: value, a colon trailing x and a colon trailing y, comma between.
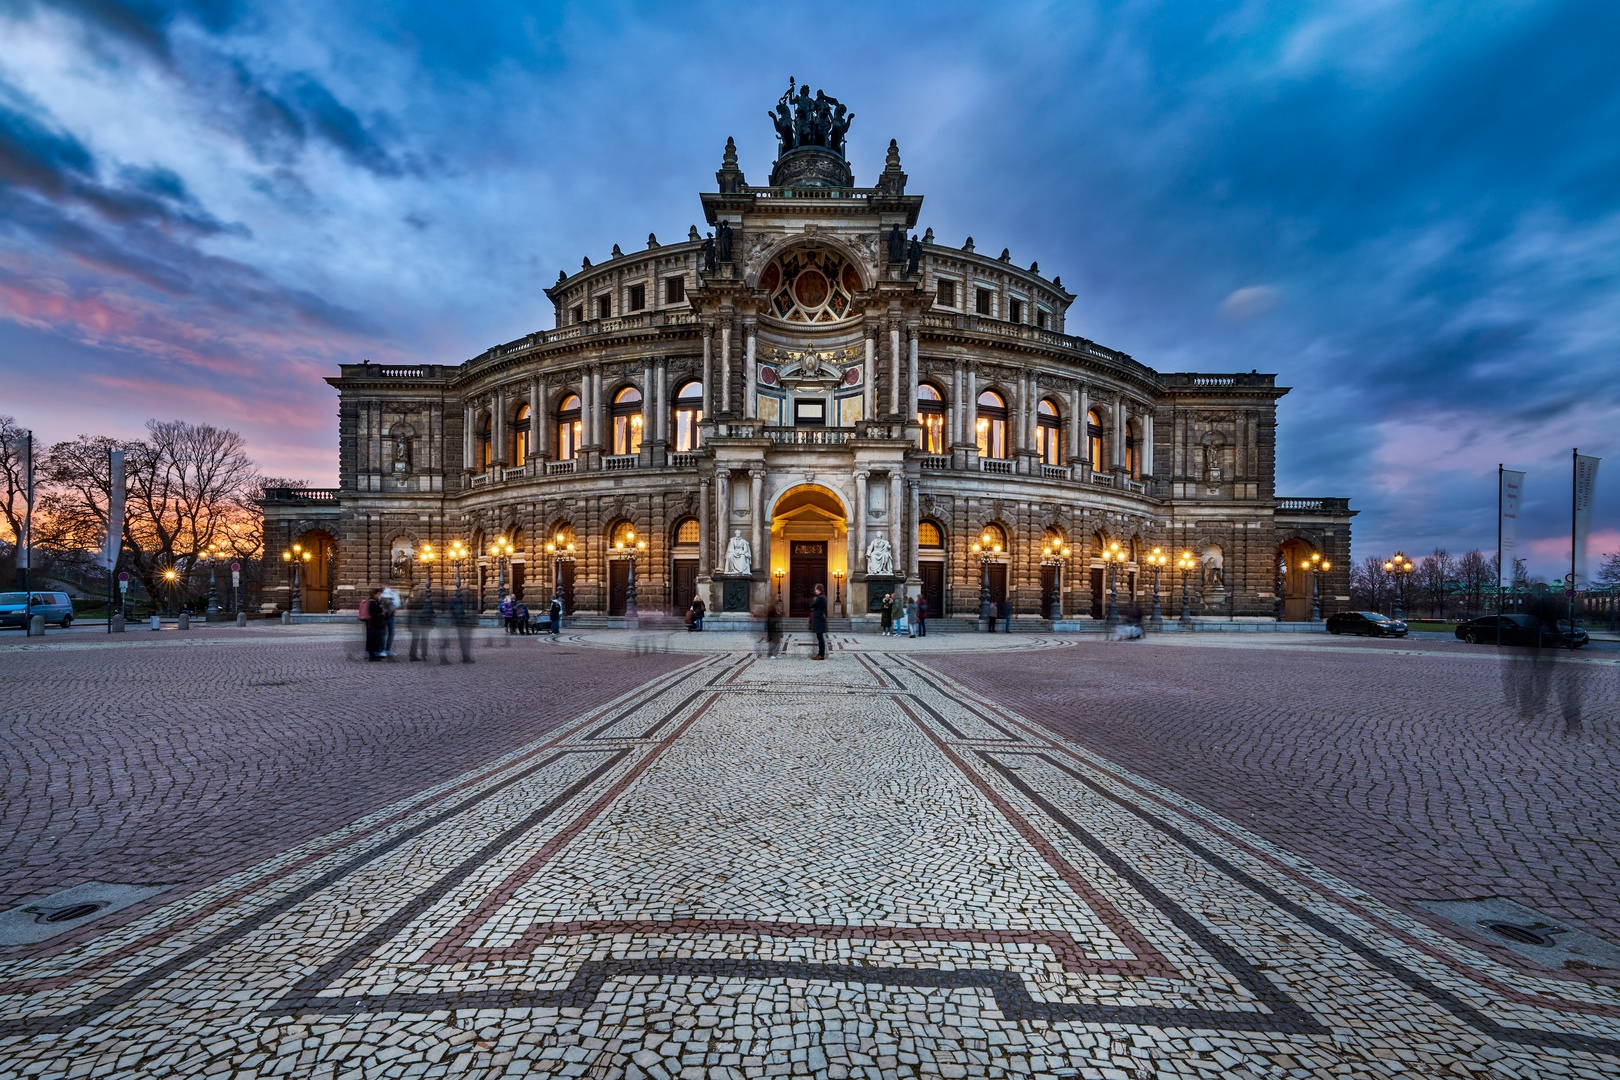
x: 780, y: 867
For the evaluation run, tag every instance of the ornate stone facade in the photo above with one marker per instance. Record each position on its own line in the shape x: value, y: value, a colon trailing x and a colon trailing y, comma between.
x: 809, y: 377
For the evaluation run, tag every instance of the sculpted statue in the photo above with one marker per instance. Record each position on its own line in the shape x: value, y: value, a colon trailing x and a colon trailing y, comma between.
x: 709, y: 263
x: 914, y: 256
x: 1212, y: 575
x: 839, y: 128
x: 804, y: 121
x: 897, y: 245
x: 801, y: 120
x: 880, y: 557
x: 739, y: 556
x: 782, y: 118
x: 722, y: 242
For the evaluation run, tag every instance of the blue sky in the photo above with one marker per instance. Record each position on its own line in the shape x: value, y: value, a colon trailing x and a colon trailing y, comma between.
x: 1410, y: 212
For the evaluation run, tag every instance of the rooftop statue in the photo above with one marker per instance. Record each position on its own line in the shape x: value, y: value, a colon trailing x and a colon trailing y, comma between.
x: 801, y: 120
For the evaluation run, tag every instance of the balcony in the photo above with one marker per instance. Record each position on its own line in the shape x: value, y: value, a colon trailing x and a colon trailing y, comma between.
x: 620, y: 463
x: 996, y: 465
x: 683, y: 461
x: 935, y: 461
x: 301, y: 495
x: 1313, y: 506
x: 561, y: 468
x: 808, y: 436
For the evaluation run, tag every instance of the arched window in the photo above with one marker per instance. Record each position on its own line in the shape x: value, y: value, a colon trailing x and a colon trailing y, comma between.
x: 929, y: 535
x: 1132, y: 455
x: 627, y: 421
x: 993, y: 538
x: 568, y: 428
x: 483, y: 450
x: 1094, y: 442
x: 688, y: 412
x: 991, y: 425
x: 1047, y: 432
x: 520, y: 435
x: 623, y: 535
x: 516, y: 539
x: 931, y: 418
x: 686, y: 533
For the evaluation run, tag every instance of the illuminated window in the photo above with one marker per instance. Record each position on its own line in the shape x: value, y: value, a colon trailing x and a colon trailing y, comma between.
x: 483, y: 449
x: 568, y: 428
x: 686, y: 533
x: 623, y: 534
x: 688, y: 413
x: 627, y: 421
x: 990, y: 426
x: 931, y: 418
x: 994, y: 539
x: 1094, y: 441
x: 929, y: 536
x: 1047, y: 432
x: 1132, y: 454
x: 520, y: 436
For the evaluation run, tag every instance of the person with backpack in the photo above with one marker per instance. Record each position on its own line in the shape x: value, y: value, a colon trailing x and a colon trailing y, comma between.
x: 555, y: 612
x: 695, y: 613
x: 520, y: 616
x: 371, y: 614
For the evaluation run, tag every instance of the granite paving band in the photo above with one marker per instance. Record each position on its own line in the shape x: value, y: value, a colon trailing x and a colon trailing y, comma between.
x: 755, y: 866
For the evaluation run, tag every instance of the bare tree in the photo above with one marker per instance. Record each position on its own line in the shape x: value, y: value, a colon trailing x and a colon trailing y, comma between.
x: 13, y: 495
x: 75, y: 482
x: 1474, y: 573
x: 1434, y: 574
x: 1609, y: 571
x: 1370, y: 584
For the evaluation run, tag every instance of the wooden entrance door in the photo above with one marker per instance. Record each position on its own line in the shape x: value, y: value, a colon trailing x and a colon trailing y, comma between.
x: 933, y: 587
x: 1097, y: 607
x: 517, y: 580
x: 618, y: 585
x: 807, y: 569
x: 566, y: 579
x: 998, y: 586
x: 1048, y: 590
x: 685, y: 579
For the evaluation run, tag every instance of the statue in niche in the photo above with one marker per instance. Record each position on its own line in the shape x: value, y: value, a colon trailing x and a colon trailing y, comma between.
x: 1212, y: 574
x: 739, y: 556
x: 897, y: 245
x: 880, y: 557
x: 710, y: 264
x: 402, y: 454
x: 722, y: 242
x: 914, y: 256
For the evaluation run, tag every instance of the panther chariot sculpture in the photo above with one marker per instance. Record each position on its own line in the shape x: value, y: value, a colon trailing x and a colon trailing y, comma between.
x: 801, y: 120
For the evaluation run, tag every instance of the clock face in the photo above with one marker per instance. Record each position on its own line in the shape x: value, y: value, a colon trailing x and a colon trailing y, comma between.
x: 811, y: 284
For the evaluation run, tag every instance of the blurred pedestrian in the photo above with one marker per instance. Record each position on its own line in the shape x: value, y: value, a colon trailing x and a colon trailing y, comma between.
x: 1006, y: 613
x: 911, y: 617
x: 371, y: 614
x: 897, y: 612
x: 695, y: 614
x: 462, y: 614
x: 922, y: 616
x: 520, y: 616
x: 888, y: 615
x: 773, y: 631
x: 417, y: 622
x: 391, y: 603
x: 555, y: 612
x: 818, y: 621
x: 508, y: 603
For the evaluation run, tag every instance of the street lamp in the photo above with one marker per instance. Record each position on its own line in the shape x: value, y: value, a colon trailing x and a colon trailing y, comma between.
x: 561, y: 550
x: 1157, y: 559
x: 628, y: 547
x: 1401, y: 567
x: 779, y: 574
x: 168, y: 579
x: 1112, y: 556
x: 295, y: 555
x: 427, y: 555
x: 1185, y: 564
x: 1316, y: 564
x: 500, y: 551
x: 211, y: 555
x: 986, y: 549
x: 458, y: 552
x: 838, y: 592
x: 1054, y: 555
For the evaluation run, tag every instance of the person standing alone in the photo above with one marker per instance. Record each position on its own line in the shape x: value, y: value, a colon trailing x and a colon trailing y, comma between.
x: 818, y: 622
x: 372, y: 614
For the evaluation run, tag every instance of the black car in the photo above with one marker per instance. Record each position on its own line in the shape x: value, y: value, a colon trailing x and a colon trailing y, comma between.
x: 1365, y: 623
x: 1521, y: 630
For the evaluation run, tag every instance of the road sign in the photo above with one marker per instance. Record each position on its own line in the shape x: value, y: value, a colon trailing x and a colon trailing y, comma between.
x: 1569, y: 594
x: 236, y: 568
x: 236, y: 579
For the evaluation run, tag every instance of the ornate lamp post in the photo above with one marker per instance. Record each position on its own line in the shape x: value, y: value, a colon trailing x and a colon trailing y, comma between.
x: 1055, y: 556
x: 1157, y: 559
x: 986, y: 549
x: 561, y: 551
x: 779, y: 574
x: 629, y: 547
x: 1316, y: 564
x: 212, y: 554
x: 838, y: 592
x: 1112, y: 556
x: 458, y: 552
x: 427, y: 555
x: 296, y: 555
x: 169, y: 578
x: 1401, y: 567
x: 1185, y: 564
x: 500, y: 551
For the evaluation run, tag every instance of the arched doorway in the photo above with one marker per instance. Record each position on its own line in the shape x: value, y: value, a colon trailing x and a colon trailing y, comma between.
x: 315, y: 572
x: 809, y: 545
x: 1294, y: 580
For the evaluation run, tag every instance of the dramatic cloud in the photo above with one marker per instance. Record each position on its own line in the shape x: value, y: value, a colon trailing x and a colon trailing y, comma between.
x: 1411, y: 213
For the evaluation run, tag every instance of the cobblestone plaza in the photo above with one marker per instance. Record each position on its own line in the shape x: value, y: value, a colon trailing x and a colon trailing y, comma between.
x: 668, y: 855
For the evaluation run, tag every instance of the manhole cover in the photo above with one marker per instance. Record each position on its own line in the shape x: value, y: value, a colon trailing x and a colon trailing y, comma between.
x: 44, y: 918
x: 1549, y: 942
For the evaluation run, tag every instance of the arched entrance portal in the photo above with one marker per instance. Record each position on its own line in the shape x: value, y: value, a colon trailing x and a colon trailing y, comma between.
x: 315, y: 574
x: 1294, y: 580
x: 809, y: 545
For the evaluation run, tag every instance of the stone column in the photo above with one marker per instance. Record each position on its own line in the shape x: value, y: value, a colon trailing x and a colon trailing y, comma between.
x: 912, y: 376
x: 722, y: 516
x: 749, y: 409
x: 958, y: 388
x: 469, y: 456
x: 598, y: 424
x: 708, y: 372
x: 705, y: 552
x: 649, y: 411
x: 970, y: 408
x: 896, y: 513
x: 535, y: 412
x: 1033, y: 413
x: 584, y: 410
x: 860, y: 520
x: 1085, y: 420
x: 756, y: 511
x: 1119, y: 433
x: 911, y: 532
x: 497, y: 430
x: 725, y: 366
x: 894, y: 366
x: 1077, y: 423
x: 870, y: 395
x: 1147, y: 444
x: 663, y: 399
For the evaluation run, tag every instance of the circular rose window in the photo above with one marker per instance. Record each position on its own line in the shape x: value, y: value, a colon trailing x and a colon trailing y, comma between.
x: 810, y: 285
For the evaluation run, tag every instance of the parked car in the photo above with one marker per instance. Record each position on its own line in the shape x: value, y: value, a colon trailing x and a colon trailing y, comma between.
x: 55, y: 606
x: 1365, y: 624
x: 1521, y: 630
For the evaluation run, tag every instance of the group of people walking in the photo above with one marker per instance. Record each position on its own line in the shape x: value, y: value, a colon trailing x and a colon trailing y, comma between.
x: 381, y: 608
x: 903, y: 617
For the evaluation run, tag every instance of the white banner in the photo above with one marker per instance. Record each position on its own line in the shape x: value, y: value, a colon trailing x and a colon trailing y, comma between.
x: 1509, y: 498
x: 25, y: 450
x: 115, y: 513
x: 1585, y: 486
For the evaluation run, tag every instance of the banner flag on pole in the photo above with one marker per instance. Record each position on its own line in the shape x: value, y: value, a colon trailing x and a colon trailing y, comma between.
x: 25, y: 542
x: 115, y: 513
x: 1585, y: 486
x: 1512, y: 495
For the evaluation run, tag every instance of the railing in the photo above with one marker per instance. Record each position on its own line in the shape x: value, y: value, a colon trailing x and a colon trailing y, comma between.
x: 640, y: 320
x: 479, y: 480
x: 808, y: 436
x: 880, y: 429
x: 620, y: 463
x: 935, y: 461
x: 683, y: 461
x: 517, y: 472
x: 396, y: 372
x: 737, y: 429
x: 1127, y: 484
x: 1103, y: 478
x: 985, y: 324
x: 1056, y: 472
x: 995, y: 465
x: 1327, y: 505
x: 301, y: 494
x: 561, y: 468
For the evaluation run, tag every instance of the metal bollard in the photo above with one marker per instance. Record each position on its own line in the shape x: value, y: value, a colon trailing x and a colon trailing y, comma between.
x: 157, y: 622
x: 241, y: 618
